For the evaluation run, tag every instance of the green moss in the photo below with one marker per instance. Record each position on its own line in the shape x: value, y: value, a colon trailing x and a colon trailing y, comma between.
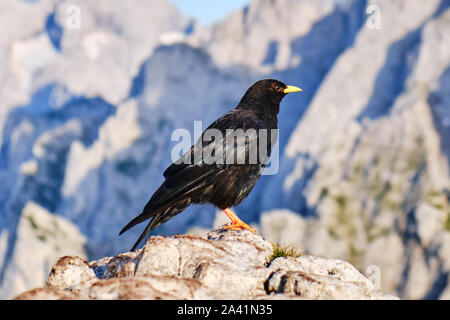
x: 358, y: 170
x: 373, y: 234
x: 447, y: 223
x: 40, y: 233
x: 341, y: 201
x: 333, y: 234
x: 324, y: 193
x: 438, y: 206
x: 33, y: 223
x: 433, y: 194
x: 284, y: 251
x: 415, y: 161
x: 342, y: 226
x: 437, y: 200
x: 376, y: 185
x: 416, y: 158
x: 391, y: 205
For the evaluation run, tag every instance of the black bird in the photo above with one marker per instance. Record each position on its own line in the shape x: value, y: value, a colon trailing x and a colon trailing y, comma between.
x: 212, y: 177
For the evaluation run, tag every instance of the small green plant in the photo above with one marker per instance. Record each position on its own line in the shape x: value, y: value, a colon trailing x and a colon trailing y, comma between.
x: 284, y: 251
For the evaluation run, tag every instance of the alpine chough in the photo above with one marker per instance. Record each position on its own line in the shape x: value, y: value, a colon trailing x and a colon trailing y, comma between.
x: 223, y: 174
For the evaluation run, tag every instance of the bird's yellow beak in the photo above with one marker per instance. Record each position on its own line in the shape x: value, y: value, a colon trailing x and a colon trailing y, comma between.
x: 292, y: 89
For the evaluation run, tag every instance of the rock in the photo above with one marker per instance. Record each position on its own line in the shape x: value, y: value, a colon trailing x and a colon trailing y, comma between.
x: 148, y: 287
x: 70, y: 272
x: 317, y: 278
x: 48, y: 294
x: 252, y: 36
x: 221, y: 265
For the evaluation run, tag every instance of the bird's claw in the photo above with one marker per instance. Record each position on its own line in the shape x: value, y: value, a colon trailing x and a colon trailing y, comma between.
x: 239, y: 227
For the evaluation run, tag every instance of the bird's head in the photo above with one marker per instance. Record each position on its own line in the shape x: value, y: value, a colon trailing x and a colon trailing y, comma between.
x: 268, y: 92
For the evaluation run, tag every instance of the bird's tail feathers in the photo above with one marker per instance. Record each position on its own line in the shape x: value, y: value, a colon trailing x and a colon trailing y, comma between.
x: 151, y: 225
x: 156, y: 221
x: 141, y: 218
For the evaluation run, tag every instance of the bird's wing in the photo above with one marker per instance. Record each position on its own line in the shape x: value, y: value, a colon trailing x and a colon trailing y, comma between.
x: 177, y: 186
x: 213, y: 148
x: 189, y: 158
x: 183, y: 177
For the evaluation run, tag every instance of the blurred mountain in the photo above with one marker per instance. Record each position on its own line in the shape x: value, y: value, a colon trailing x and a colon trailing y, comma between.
x: 87, y: 115
x: 368, y: 162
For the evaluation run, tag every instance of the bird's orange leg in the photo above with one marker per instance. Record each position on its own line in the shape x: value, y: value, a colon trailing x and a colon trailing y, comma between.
x: 238, y: 224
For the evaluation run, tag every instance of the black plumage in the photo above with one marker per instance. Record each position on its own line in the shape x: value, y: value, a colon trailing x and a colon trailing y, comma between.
x: 221, y: 183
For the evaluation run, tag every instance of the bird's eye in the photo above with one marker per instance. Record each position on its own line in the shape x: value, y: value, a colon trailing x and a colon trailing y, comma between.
x: 277, y: 87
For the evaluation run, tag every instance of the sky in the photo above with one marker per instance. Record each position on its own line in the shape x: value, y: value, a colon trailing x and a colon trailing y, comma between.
x: 209, y: 11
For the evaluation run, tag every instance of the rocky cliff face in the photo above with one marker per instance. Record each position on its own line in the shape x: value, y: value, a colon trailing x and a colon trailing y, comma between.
x: 87, y: 114
x: 221, y: 265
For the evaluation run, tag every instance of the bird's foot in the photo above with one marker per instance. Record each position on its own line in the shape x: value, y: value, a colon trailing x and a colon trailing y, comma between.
x: 238, y: 227
x: 237, y: 224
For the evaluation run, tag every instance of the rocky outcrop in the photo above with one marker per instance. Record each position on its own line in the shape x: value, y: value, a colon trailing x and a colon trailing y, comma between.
x: 221, y: 265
